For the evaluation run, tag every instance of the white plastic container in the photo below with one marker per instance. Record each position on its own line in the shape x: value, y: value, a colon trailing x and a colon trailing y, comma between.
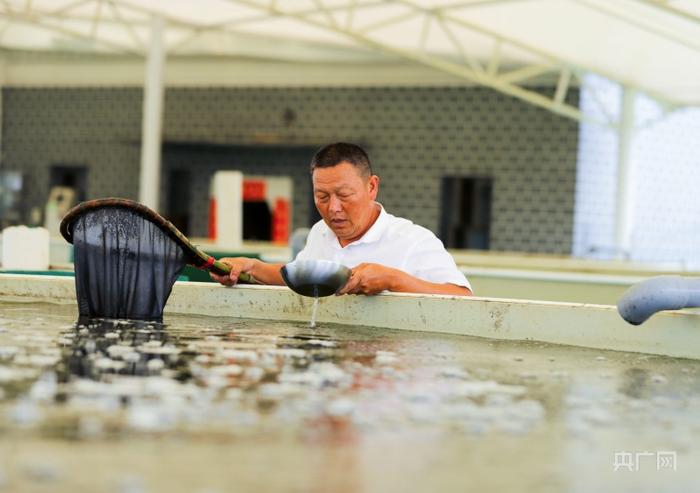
x: 227, y: 196
x: 25, y: 248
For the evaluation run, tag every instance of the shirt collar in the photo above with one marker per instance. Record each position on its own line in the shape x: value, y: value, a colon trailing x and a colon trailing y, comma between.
x: 374, y: 233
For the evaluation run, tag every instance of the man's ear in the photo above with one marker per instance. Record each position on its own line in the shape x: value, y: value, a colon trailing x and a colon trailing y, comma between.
x: 373, y: 184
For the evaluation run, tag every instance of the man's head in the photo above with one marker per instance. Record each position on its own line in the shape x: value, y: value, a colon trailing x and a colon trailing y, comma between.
x: 345, y: 190
x: 334, y: 154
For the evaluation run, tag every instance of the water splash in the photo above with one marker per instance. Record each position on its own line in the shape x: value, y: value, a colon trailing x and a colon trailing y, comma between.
x: 313, y: 313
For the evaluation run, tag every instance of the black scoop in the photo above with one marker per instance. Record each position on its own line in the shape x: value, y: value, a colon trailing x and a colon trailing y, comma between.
x: 315, y: 278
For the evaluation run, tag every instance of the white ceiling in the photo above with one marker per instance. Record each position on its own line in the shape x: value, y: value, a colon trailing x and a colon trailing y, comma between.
x: 649, y: 45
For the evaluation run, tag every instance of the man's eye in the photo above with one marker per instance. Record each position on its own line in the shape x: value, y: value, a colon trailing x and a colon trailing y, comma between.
x: 322, y: 198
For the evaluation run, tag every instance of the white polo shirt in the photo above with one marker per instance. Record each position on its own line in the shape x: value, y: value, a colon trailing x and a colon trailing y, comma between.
x: 391, y: 241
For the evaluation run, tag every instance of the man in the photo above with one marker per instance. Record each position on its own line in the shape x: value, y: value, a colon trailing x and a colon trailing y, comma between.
x: 385, y: 253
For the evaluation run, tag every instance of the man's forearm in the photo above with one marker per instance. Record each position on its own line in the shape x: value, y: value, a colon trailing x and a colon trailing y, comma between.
x: 267, y: 273
x: 374, y: 278
x: 402, y: 282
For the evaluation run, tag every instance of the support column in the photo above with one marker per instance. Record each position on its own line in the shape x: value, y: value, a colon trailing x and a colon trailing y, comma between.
x: 149, y: 179
x: 3, y: 71
x: 624, y: 201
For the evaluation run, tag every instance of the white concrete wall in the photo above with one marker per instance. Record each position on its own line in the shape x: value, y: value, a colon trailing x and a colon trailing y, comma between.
x: 595, y: 326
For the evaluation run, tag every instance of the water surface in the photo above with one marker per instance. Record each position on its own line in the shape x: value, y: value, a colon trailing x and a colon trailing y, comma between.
x: 206, y: 404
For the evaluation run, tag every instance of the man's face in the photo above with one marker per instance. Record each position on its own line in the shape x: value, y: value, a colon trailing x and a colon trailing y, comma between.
x: 345, y: 200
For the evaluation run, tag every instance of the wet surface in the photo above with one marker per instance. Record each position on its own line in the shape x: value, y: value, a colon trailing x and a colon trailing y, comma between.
x: 217, y: 404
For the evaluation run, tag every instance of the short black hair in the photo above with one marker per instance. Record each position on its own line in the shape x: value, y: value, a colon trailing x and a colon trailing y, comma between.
x: 342, y: 152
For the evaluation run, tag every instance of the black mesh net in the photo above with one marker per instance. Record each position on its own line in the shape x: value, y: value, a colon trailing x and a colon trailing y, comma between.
x: 125, y: 265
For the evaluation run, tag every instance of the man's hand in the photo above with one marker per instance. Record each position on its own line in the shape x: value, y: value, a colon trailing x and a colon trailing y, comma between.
x: 375, y: 278
x: 238, y: 265
x: 369, y: 279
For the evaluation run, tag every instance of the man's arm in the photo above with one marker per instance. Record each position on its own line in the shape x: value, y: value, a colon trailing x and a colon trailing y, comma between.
x: 375, y: 278
x: 263, y: 272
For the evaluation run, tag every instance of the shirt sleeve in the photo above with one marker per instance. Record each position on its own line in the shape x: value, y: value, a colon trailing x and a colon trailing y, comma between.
x: 430, y: 261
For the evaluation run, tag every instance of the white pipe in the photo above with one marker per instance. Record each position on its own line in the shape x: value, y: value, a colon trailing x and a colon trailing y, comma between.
x: 646, y: 298
x: 149, y: 183
x: 624, y: 206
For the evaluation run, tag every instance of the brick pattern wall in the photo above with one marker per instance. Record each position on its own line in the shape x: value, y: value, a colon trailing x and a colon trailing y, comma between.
x: 414, y: 136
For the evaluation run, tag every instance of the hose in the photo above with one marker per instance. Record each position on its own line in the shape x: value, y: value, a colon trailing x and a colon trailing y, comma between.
x: 646, y: 298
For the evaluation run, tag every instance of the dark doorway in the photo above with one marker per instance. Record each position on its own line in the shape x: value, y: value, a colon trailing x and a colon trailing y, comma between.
x: 466, y: 212
x: 257, y: 220
x: 178, y: 206
x: 74, y: 177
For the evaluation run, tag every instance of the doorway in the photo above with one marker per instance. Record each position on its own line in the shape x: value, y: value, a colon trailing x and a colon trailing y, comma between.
x: 178, y: 199
x: 466, y: 212
x: 74, y: 177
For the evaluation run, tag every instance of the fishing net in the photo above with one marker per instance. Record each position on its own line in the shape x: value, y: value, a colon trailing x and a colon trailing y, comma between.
x: 127, y: 258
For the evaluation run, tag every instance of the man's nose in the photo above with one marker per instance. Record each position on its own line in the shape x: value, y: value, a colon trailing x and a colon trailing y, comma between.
x: 334, y: 205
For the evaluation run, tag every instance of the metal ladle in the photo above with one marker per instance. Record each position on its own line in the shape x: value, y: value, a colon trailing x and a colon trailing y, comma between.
x: 315, y: 278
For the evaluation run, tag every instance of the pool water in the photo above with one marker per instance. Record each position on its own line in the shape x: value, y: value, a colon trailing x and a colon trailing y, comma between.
x: 205, y: 404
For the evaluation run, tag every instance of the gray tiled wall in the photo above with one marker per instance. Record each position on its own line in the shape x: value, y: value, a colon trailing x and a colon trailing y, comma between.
x: 414, y: 137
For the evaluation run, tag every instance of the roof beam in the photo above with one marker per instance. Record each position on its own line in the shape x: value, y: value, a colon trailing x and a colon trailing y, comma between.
x: 644, y: 26
x: 665, y: 6
x: 464, y: 55
x: 69, y: 7
x: 441, y: 21
x: 96, y: 19
x: 33, y: 19
x: 445, y: 64
x: 562, y: 86
x: 127, y: 25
